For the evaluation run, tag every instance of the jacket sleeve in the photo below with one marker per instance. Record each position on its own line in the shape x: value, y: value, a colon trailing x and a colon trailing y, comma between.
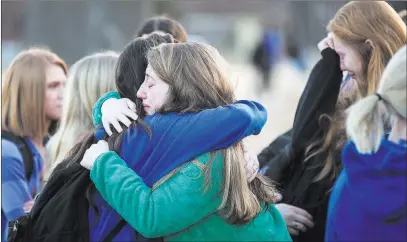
x: 319, y: 97
x: 230, y: 123
x: 246, y: 116
x: 173, y: 206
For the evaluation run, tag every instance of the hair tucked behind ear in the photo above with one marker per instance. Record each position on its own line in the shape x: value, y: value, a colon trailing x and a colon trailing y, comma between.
x: 365, y: 124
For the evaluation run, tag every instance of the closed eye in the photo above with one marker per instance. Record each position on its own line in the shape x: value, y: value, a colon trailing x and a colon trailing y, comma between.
x: 55, y: 84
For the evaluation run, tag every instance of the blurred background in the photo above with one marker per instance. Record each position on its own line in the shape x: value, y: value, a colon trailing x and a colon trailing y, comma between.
x: 237, y: 28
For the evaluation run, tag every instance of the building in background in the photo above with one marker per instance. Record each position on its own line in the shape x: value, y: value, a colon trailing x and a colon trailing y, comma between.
x: 75, y: 28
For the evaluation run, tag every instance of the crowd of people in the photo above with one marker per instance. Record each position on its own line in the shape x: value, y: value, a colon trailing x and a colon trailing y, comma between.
x: 149, y: 143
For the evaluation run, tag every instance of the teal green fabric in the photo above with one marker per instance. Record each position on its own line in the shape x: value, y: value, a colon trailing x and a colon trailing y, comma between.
x: 97, y: 108
x: 180, y: 209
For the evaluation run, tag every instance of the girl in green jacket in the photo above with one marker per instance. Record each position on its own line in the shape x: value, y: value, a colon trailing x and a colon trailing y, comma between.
x: 205, y: 199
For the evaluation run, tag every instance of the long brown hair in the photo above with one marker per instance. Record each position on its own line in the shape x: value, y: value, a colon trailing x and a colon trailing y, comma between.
x: 23, y: 93
x: 197, y: 82
x: 356, y: 23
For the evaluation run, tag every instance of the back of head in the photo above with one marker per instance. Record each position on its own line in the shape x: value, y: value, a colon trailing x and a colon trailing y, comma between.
x: 89, y: 78
x: 197, y: 77
x: 377, y: 21
x: 23, y: 92
x: 165, y: 25
x: 365, y: 122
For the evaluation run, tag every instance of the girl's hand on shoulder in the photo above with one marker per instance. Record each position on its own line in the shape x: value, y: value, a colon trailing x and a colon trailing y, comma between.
x: 251, y: 164
x: 115, y: 110
x: 93, y: 153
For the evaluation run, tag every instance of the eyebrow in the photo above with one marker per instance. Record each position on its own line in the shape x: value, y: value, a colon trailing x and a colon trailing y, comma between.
x: 151, y: 79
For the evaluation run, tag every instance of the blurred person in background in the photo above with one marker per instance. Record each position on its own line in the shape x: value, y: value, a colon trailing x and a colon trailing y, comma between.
x: 308, y: 166
x: 266, y: 54
x: 293, y: 53
x: 164, y: 25
x: 88, y: 79
x: 368, y: 201
x: 32, y: 96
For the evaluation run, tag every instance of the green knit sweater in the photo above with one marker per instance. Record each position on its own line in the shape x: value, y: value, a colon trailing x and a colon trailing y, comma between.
x: 180, y: 209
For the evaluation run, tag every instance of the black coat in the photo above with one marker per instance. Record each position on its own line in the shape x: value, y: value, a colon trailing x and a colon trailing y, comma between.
x: 296, y: 178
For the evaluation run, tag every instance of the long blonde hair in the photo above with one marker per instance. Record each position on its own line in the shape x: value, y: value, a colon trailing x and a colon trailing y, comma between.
x: 23, y: 92
x: 198, y: 80
x: 89, y: 78
x: 355, y: 23
x: 365, y: 124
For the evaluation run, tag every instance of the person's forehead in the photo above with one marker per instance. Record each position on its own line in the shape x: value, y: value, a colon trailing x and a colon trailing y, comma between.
x: 55, y: 73
x: 150, y: 72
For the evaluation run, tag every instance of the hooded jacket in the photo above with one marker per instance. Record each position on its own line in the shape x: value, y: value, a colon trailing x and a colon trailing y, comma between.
x: 368, y: 201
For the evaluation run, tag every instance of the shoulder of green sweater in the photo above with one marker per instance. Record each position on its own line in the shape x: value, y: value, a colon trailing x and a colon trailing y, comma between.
x: 97, y: 108
x: 195, y: 170
x: 214, y: 159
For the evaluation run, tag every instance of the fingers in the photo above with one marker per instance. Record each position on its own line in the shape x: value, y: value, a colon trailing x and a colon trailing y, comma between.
x: 293, y: 231
x: 327, y: 42
x: 106, y: 126
x: 330, y: 43
x: 123, y: 119
x: 279, y: 197
x: 116, y: 125
x: 244, y: 146
x: 93, y: 152
x: 251, y: 166
x: 131, y: 114
x: 251, y: 178
x: 330, y: 35
x: 304, y: 221
x: 28, y: 206
x: 130, y: 104
x: 303, y: 213
x: 322, y: 45
x: 115, y: 111
x: 103, y: 144
x: 299, y: 227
